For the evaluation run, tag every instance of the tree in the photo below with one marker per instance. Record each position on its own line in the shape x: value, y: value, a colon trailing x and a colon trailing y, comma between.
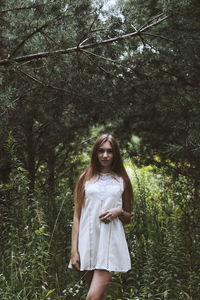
x: 57, y: 84
x: 126, y: 72
x: 162, y: 94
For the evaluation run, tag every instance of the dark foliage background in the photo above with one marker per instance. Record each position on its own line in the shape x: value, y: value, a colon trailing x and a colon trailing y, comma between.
x: 70, y: 70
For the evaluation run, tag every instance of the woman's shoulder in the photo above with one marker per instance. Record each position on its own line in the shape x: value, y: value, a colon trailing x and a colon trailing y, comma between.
x: 118, y: 177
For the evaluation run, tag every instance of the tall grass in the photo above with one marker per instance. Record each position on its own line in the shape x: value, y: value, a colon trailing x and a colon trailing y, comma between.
x: 25, y: 259
x: 163, y: 239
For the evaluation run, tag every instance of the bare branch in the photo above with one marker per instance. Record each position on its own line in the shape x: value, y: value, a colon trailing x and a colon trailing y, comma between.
x: 142, y: 40
x: 11, y: 105
x: 143, y: 28
x: 20, y: 8
x: 98, y: 30
x: 150, y: 45
x: 83, y: 42
x: 89, y: 30
x: 101, y: 68
x: 34, y: 56
x: 134, y: 28
x: 159, y: 36
x: 47, y: 37
x: 31, y: 35
x: 150, y: 21
x: 109, y: 60
x: 95, y: 18
x: 44, y: 84
x: 102, y: 57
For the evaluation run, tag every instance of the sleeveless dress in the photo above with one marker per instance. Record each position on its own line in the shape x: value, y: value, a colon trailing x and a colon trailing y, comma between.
x: 100, y: 245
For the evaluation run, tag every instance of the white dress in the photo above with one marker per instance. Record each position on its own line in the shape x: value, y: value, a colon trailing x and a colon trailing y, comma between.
x: 100, y: 245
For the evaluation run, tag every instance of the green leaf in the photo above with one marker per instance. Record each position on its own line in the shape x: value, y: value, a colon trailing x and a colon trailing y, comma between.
x: 50, y: 292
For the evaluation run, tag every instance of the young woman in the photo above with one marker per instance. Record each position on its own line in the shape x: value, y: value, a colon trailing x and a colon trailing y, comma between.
x: 103, y: 200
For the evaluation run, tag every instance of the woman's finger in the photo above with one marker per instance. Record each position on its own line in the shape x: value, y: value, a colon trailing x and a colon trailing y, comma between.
x: 108, y: 219
x: 107, y: 216
x: 103, y: 214
x: 76, y: 265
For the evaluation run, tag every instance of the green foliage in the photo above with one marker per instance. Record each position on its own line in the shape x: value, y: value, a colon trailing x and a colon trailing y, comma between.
x: 161, y: 241
x: 25, y: 242
x: 163, y: 90
x: 144, y: 89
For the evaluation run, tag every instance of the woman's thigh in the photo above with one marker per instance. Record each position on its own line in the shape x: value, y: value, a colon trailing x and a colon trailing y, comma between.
x: 100, y: 280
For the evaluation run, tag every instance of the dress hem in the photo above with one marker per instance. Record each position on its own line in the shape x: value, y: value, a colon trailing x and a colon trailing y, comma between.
x: 100, y: 268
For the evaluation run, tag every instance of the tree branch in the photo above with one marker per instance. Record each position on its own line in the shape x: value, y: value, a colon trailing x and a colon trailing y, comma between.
x: 34, y: 56
x: 159, y: 36
x: 44, y: 84
x: 143, y: 28
x: 10, y: 106
x: 155, y: 18
x: 102, y: 57
x: 31, y: 35
x: 101, y: 68
x: 20, y: 8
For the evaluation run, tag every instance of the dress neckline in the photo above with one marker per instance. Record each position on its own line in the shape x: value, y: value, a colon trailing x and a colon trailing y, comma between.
x: 106, y: 177
x: 109, y: 173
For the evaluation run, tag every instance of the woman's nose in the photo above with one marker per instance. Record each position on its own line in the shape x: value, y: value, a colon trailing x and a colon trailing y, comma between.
x: 105, y: 154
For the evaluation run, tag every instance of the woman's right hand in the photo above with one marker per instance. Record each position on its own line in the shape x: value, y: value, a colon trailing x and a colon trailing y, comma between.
x: 75, y: 261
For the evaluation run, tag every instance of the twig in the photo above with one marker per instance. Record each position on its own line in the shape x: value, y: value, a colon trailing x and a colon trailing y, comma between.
x: 20, y: 8
x: 95, y: 18
x: 102, y: 57
x: 101, y: 68
x: 8, y: 107
x: 47, y: 37
x: 155, y: 18
x: 159, y: 36
x: 83, y: 42
x: 44, y: 84
x: 109, y: 60
x: 136, y: 30
x: 31, y: 35
x: 152, y: 24
x: 98, y: 30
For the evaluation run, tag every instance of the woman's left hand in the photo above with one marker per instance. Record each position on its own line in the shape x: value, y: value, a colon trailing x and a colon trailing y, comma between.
x: 110, y: 214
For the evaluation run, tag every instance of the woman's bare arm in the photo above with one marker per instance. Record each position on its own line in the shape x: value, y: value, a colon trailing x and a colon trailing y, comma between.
x: 75, y: 259
x: 127, y: 200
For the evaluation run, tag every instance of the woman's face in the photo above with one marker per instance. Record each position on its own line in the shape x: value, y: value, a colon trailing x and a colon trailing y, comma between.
x: 105, y: 156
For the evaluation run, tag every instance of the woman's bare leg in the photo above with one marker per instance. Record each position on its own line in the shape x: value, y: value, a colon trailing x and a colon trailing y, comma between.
x: 100, y: 280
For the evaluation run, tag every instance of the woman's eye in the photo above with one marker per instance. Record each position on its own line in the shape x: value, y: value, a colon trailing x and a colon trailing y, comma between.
x: 101, y: 151
x: 110, y: 151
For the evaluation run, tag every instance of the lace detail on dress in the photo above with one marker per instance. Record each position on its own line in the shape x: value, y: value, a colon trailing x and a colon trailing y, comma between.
x: 106, y: 178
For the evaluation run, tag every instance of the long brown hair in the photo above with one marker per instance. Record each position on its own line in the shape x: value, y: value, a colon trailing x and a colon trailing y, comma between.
x: 94, y: 169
